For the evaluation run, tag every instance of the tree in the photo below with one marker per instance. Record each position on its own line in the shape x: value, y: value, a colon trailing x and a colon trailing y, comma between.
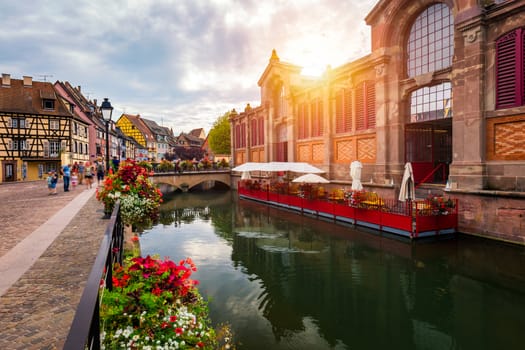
x: 219, y: 136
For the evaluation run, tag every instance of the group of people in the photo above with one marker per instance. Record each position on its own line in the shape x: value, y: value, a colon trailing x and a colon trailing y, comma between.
x: 77, y: 174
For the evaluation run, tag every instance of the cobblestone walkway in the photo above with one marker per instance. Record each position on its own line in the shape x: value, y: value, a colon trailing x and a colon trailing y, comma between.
x: 37, y: 310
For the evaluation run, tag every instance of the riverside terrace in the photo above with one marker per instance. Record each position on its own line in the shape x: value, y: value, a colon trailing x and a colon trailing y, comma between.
x: 412, y: 218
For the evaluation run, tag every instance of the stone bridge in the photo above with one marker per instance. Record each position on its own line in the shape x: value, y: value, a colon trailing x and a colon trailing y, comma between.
x: 188, y: 179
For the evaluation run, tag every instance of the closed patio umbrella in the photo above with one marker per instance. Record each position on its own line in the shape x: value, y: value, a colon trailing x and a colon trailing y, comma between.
x: 355, y: 173
x: 407, y: 190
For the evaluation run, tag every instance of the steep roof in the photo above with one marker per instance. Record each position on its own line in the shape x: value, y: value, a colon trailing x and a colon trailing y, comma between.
x: 155, y: 128
x: 197, y: 133
x: 17, y: 97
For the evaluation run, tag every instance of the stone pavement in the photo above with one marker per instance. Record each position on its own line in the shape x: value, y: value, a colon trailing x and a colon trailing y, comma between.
x: 47, y: 248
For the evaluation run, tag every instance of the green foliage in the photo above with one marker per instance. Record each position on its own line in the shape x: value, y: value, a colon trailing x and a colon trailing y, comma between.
x: 219, y: 136
x: 165, y: 166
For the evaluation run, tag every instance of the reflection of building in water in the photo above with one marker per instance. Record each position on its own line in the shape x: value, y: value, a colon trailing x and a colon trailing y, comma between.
x: 360, y: 281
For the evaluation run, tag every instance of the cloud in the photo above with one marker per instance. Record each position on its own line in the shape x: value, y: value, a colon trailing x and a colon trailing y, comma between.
x: 181, y: 62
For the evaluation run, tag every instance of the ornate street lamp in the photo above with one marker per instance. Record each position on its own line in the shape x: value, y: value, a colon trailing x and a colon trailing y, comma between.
x: 107, y: 110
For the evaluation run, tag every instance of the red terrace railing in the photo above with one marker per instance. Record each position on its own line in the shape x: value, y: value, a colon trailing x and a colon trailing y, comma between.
x: 411, y: 218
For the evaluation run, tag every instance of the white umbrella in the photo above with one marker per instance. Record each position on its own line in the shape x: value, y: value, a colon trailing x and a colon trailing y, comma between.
x: 311, y: 178
x: 407, y: 190
x: 250, y: 166
x: 245, y: 175
x: 355, y: 173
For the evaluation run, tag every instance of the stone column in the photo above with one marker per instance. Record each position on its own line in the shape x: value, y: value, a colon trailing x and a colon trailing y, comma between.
x: 467, y: 170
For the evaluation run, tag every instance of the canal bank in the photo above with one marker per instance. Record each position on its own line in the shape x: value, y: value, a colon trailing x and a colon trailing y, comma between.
x: 37, y: 309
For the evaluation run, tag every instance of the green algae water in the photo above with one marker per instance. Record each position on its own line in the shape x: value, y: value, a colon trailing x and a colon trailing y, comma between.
x: 286, y: 281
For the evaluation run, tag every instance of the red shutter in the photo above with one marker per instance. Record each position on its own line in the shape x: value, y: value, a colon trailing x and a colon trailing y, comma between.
x: 509, y: 63
x: 313, y: 118
x: 521, y: 53
x: 370, y: 105
x: 339, y: 116
x: 360, y: 107
x: 237, y: 136
x: 261, y: 131
x: 320, y: 119
x: 348, y: 110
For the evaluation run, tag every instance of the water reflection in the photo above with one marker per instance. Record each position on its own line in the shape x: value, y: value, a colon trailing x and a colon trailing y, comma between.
x: 287, y: 281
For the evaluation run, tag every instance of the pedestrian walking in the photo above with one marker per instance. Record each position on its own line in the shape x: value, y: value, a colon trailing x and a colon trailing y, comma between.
x: 100, y: 172
x: 81, y: 170
x: 52, y: 180
x: 66, y: 171
x: 89, y: 170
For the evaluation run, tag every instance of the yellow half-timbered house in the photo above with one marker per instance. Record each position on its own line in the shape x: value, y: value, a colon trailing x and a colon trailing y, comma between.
x: 35, y: 129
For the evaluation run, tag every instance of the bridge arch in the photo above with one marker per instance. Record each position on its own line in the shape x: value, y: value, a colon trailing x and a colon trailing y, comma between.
x: 187, y: 180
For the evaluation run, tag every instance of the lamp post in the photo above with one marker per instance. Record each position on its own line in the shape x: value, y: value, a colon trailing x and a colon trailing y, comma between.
x: 107, y: 110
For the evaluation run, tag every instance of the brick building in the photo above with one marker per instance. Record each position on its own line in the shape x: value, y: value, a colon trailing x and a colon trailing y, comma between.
x: 443, y: 88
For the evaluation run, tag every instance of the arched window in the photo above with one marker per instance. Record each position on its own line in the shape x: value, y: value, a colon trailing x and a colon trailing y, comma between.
x: 430, y: 45
x: 431, y: 103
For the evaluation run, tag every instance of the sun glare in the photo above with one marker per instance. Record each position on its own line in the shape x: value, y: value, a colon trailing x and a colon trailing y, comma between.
x: 315, y: 53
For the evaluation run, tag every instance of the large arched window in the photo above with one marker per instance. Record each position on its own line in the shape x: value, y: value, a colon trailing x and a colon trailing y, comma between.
x: 430, y: 45
x: 431, y: 103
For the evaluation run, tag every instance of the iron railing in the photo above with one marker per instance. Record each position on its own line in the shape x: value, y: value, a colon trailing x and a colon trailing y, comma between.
x: 85, y: 329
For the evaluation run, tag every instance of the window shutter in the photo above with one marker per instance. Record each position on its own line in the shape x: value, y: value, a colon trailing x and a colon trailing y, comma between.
x: 508, y: 62
x: 339, y: 117
x: 522, y: 66
x: 301, y: 122
x: 370, y: 105
x: 10, y: 144
x: 360, y: 107
x: 347, y: 110
x: 46, y: 148
x: 261, y: 131
x: 320, y: 118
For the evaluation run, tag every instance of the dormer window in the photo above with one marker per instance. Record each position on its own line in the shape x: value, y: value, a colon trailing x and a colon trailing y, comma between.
x: 48, y: 104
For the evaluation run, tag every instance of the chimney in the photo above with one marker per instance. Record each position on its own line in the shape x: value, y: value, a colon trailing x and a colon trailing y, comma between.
x: 6, y: 79
x: 95, y: 102
x: 78, y: 87
x: 28, y: 81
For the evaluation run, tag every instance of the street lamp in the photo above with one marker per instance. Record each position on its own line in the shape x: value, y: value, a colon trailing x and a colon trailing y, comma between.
x: 107, y: 110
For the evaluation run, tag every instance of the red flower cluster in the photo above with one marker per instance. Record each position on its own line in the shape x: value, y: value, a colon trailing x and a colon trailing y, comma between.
x: 162, y: 275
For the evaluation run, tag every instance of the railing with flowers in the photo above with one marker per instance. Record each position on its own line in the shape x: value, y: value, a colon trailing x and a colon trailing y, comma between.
x: 85, y: 329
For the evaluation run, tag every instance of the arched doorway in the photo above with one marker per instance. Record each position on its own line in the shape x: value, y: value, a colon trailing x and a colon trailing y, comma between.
x: 428, y: 134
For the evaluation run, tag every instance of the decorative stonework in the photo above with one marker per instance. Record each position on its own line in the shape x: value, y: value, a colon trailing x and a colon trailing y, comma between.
x: 380, y: 70
x: 506, y: 138
x: 471, y: 35
x: 366, y: 149
x: 318, y: 152
x: 304, y: 153
x: 345, y: 151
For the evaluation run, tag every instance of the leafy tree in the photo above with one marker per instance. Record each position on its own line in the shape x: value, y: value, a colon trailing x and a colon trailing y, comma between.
x: 219, y: 136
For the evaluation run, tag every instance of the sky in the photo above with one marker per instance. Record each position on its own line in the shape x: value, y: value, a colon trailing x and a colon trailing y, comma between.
x: 182, y: 63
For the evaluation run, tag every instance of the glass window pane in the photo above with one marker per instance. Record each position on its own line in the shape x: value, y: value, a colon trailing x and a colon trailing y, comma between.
x: 431, y: 34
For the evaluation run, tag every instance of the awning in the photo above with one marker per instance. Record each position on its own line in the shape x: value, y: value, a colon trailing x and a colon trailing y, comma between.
x: 297, y: 167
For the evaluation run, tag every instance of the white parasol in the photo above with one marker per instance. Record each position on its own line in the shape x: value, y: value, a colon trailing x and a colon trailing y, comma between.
x: 355, y: 173
x: 246, y: 175
x: 311, y: 178
x: 407, y: 190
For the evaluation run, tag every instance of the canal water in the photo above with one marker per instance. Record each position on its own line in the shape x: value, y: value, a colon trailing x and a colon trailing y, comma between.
x: 286, y: 281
